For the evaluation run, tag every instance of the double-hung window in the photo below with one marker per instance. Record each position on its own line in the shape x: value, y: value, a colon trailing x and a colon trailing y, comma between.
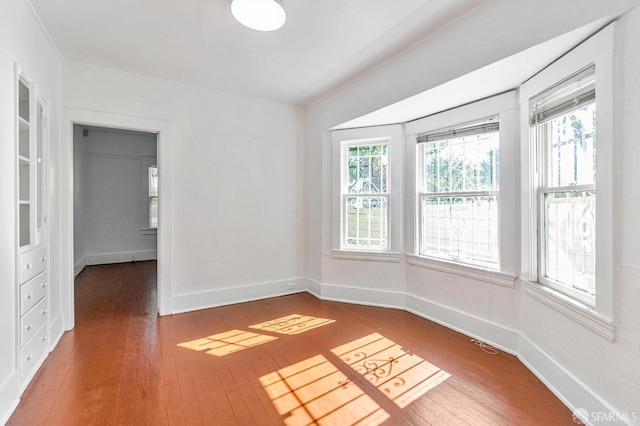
x: 563, y: 123
x: 153, y: 197
x: 365, y: 195
x: 458, y: 188
x: 568, y: 179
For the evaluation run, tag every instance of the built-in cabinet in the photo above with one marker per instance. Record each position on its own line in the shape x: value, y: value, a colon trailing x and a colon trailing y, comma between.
x: 32, y: 287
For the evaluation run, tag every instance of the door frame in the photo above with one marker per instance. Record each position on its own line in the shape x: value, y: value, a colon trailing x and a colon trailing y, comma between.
x: 163, y: 131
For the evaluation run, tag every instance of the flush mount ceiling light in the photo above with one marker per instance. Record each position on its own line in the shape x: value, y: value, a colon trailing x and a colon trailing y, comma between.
x: 260, y: 15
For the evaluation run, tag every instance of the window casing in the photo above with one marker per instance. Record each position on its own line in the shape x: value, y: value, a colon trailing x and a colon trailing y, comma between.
x: 563, y: 123
x: 458, y: 194
x: 596, y: 313
x: 365, y: 195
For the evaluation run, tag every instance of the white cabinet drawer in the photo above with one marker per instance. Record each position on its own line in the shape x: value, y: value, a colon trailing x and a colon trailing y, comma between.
x: 32, y: 292
x: 31, y: 322
x: 32, y: 263
x: 32, y: 355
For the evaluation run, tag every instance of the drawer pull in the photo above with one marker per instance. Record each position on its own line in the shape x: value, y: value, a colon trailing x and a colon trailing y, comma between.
x: 30, y: 326
x: 28, y: 265
x: 44, y: 338
x: 44, y: 312
x: 29, y: 296
x: 44, y: 285
x: 43, y: 258
x: 29, y: 358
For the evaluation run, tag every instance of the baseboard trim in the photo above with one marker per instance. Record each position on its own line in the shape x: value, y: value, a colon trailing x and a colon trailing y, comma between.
x: 314, y: 287
x: 568, y: 388
x: 239, y: 294
x: 9, y: 396
x: 496, y: 335
x: 56, y: 331
x: 79, y: 266
x: 360, y: 296
x: 120, y: 257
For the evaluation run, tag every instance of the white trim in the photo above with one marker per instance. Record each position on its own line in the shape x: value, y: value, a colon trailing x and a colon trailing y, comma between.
x: 572, y: 308
x: 163, y: 130
x: 120, y: 257
x: 56, y: 330
x: 468, y: 271
x: 237, y: 294
x: 394, y: 135
x: 568, y: 388
x: 372, y: 256
x: 9, y: 396
x: 362, y: 296
x: 498, y: 336
x: 79, y: 266
x: 601, y: 50
x: 314, y: 287
x: 505, y: 107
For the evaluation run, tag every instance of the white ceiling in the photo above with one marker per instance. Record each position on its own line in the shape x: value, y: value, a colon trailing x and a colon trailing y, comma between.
x: 323, y: 45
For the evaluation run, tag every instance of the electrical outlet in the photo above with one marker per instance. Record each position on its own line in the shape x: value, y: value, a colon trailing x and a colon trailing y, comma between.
x: 291, y: 286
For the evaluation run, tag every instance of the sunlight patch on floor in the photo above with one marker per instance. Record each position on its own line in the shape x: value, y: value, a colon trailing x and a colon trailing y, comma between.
x: 314, y: 391
x: 401, y: 376
x: 228, y: 342
x: 292, y: 324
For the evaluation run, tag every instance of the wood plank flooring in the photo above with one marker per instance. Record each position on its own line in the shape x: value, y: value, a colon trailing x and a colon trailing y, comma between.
x: 292, y: 360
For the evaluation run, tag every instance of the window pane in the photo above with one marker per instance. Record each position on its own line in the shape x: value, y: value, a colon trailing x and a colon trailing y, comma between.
x: 153, y: 197
x: 570, y: 244
x: 366, y: 221
x: 572, y: 150
x: 367, y: 169
x: 460, y: 227
x: 153, y: 181
x: 153, y: 212
x: 469, y: 163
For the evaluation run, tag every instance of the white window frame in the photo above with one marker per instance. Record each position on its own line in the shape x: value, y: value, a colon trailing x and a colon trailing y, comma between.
x: 340, y: 140
x: 345, y: 194
x: 145, y: 164
x: 504, y: 107
x: 153, y: 166
x: 540, y: 134
x: 598, y: 50
x: 422, y: 192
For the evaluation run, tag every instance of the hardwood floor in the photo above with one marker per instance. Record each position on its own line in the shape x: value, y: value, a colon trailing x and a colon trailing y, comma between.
x: 287, y: 360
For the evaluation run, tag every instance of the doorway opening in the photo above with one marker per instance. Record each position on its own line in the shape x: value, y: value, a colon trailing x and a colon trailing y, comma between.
x: 115, y: 199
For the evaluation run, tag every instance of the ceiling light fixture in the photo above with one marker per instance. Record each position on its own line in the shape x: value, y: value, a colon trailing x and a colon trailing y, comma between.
x: 260, y: 15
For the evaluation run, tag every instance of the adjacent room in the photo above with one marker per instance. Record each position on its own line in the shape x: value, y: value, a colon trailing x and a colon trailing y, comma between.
x: 417, y: 212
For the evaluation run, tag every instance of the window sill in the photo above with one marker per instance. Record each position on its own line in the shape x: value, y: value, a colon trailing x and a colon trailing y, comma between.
x: 373, y: 256
x: 573, y: 309
x: 149, y: 231
x: 468, y: 271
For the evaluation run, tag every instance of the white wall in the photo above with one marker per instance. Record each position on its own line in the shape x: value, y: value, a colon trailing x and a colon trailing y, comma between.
x: 23, y: 41
x: 237, y: 227
x: 111, y: 196
x: 578, y: 364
